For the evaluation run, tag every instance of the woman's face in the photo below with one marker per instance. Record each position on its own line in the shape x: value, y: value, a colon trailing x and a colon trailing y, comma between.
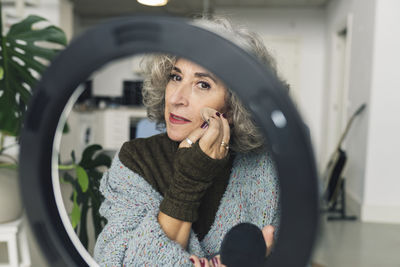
x: 190, y: 88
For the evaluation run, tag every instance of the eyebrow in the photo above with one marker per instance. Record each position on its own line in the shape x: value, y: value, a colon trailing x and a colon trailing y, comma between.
x: 199, y: 74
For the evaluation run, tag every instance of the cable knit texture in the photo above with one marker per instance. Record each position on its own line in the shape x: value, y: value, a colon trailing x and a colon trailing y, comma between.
x: 133, y: 236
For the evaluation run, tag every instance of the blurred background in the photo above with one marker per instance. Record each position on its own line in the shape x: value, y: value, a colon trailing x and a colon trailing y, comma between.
x: 336, y: 55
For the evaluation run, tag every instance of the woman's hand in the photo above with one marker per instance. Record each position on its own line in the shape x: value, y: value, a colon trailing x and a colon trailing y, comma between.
x: 213, y: 139
x: 203, y: 262
x: 268, y: 233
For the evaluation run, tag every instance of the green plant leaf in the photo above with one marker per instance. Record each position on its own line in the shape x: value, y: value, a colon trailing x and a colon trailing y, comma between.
x: 83, y: 233
x: 86, y: 195
x: 68, y: 178
x: 102, y: 160
x: 96, y: 175
x: 88, y: 154
x: 76, y: 213
x: 83, y: 178
x: 66, y: 128
x: 25, y: 52
x: 99, y: 160
x: 11, y: 166
x: 73, y: 156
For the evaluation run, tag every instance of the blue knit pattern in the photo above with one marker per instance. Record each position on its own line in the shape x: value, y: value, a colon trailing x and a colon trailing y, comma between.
x: 133, y: 236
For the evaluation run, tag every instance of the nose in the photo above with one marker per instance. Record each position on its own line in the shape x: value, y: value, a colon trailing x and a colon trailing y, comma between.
x: 180, y: 94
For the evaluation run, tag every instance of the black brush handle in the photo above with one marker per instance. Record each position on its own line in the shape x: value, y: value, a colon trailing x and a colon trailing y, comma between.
x: 243, y: 245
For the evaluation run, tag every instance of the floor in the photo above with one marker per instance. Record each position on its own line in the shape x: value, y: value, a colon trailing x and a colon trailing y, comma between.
x: 340, y: 244
x: 356, y: 244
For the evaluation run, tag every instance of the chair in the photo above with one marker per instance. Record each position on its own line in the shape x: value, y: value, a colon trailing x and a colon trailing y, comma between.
x: 14, y: 235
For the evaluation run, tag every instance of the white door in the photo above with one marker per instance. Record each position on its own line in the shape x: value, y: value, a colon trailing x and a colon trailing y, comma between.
x: 338, y: 98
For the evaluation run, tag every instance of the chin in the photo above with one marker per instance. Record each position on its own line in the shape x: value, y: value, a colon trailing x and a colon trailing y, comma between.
x: 174, y: 136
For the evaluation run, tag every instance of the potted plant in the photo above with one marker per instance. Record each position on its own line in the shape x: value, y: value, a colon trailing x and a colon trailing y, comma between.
x: 25, y: 51
x: 84, y: 177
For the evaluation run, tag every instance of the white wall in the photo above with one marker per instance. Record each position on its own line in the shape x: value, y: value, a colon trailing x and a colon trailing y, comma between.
x: 306, y: 28
x: 372, y: 144
x: 359, y: 83
x: 108, y: 81
x: 66, y: 11
x: 382, y: 178
x: 48, y: 9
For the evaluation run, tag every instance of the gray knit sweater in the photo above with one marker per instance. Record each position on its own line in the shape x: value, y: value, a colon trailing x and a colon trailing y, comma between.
x: 133, y: 236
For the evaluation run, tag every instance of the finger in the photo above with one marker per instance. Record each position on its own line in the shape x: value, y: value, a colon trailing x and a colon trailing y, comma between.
x: 226, y: 135
x: 214, y: 262
x: 268, y: 233
x: 207, y: 112
x: 193, y: 137
x: 217, y: 260
x: 226, y: 129
x: 204, y: 262
x: 195, y: 260
x: 213, y: 134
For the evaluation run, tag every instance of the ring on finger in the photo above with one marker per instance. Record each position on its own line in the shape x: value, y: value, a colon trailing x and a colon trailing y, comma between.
x: 189, y: 141
x: 224, y: 145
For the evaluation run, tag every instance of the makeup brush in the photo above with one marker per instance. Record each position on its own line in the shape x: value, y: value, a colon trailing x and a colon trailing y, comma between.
x: 243, y: 245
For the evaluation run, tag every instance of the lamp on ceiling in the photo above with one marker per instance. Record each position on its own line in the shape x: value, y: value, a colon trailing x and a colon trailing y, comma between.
x: 153, y: 2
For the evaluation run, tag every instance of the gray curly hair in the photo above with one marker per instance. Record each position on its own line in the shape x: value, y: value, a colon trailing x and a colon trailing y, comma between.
x: 245, y: 135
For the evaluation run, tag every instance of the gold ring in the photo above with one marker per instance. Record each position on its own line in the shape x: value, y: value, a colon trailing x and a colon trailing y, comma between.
x: 225, y: 145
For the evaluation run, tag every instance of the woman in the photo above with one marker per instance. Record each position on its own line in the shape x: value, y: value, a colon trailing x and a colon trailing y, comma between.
x: 177, y: 194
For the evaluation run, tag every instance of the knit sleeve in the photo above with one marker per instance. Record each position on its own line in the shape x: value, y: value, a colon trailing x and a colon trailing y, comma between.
x: 264, y: 186
x: 132, y: 235
x: 272, y: 181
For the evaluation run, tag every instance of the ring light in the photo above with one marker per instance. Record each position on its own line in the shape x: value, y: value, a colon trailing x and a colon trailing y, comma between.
x: 257, y: 87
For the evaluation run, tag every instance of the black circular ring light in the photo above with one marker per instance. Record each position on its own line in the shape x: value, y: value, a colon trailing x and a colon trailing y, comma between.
x: 257, y: 86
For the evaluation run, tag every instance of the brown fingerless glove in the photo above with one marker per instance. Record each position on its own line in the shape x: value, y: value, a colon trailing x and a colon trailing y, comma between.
x: 194, y: 173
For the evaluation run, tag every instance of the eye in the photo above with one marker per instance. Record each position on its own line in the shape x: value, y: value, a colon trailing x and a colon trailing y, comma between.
x: 174, y: 77
x: 204, y: 85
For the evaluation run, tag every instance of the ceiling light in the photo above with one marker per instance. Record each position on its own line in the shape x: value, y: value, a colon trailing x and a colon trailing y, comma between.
x: 153, y: 2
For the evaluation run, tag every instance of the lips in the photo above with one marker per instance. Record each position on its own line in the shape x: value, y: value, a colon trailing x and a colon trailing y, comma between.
x: 175, y: 119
